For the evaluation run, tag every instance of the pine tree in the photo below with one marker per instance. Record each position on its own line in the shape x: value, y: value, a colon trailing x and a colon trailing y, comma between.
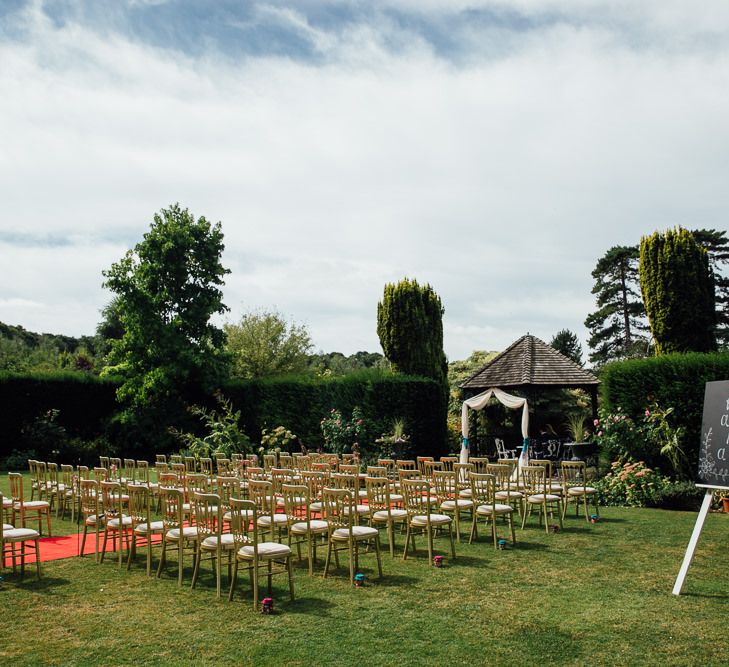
x: 678, y: 292
x: 617, y: 328
x: 566, y: 342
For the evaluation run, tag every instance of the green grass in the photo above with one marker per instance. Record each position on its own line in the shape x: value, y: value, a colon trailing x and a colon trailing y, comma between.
x: 592, y: 594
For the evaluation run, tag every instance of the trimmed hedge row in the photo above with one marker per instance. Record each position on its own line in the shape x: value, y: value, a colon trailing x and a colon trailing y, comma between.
x: 87, y: 403
x: 672, y: 380
x: 300, y: 404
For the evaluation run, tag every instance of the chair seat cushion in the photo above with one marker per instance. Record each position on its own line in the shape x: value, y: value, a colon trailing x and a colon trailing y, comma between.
x: 435, y: 519
x: 20, y: 534
x: 33, y: 505
x: 278, y: 520
x: 358, y: 533
x: 486, y: 510
x: 358, y: 509
x: 396, y: 498
x: 7, y: 502
x: 114, y: 523
x: 154, y: 526
x: 465, y: 493
x: 8, y: 526
x: 210, y: 543
x: 188, y: 532
x: 91, y: 520
x: 508, y: 495
x: 298, y: 501
x: 394, y: 513
x: 246, y: 514
x: 541, y: 497
x: 316, y: 506
x: 581, y: 491
x: 316, y: 526
x: 461, y: 503
x: 266, y: 551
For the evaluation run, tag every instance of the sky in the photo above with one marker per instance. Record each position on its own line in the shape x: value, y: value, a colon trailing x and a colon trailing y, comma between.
x: 493, y: 149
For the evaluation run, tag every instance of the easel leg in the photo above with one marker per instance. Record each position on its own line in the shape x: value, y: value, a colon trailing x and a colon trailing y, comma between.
x: 692, y: 543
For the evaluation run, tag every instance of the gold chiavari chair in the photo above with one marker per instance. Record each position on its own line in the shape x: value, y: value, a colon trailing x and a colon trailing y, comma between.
x: 11, y: 538
x: 211, y: 538
x: 142, y: 528
x: 302, y: 528
x: 89, y: 498
x: 537, y: 488
x: 484, y: 495
x: 574, y: 479
x: 420, y: 518
x: 381, y: 508
x: 255, y: 555
x: 175, y: 532
x: 116, y: 522
x: 446, y: 489
x: 24, y: 509
x: 339, y: 512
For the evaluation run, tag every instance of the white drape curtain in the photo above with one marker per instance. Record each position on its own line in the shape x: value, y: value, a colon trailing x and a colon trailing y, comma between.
x: 480, y: 401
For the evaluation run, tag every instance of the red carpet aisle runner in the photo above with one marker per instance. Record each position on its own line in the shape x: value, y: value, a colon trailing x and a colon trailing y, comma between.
x: 68, y: 546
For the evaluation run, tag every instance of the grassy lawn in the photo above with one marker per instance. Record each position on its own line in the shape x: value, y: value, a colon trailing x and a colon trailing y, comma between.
x: 592, y: 594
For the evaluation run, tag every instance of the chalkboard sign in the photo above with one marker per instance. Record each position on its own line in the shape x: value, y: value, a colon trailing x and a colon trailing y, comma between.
x: 714, y: 450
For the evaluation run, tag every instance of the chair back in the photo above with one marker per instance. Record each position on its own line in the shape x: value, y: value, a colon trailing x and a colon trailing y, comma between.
x: 104, y: 462
x: 479, y: 463
x: 172, y: 509
x: 260, y: 491
x: 378, y: 494
x: 388, y: 465
x: 405, y: 464
x: 416, y: 493
x: 285, y: 460
x: 338, y: 509
x: 281, y: 476
x: 16, y: 487
x: 315, y: 483
x: 89, y: 498
x: 448, y: 462
x: 83, y: 472
x: 342, y: 480
x: 483, y: 489
x: 139, y: 504
x: 175, y: 458
x: 302, y: 462
x: 180, y: 472
x: 195, y: 481
x: 408, y: 473
x: 67, y: 478
x: 206, y: 507
x: 574, y: 474
x: 534, y: 479
x: 168, y: 480
x: 296, y: 503
x: 545, y: 463
x: 115, y: 469
x: 446, y: 485
x: 244, y: 523
x: 269, y: 462
x: 463, y: 472
x: 143, y: 472
x: 420, y: 462
x: 428, y: 468
x: 111, y: 500
x: 502, y: 473
x: 130, y: 471
x: 101, y: 474
x: 190, y: 464
x: 160, y: 458
x: 223, y: 467
x: 376, y: 471
x: 206, y: 466
x: 53, y: 476
x: 228, y: 487
x: 349, y: 468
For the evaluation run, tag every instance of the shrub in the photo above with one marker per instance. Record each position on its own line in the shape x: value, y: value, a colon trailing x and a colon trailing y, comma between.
x: 344, y: 436
x: 280, y: 439
x: 631, y: 484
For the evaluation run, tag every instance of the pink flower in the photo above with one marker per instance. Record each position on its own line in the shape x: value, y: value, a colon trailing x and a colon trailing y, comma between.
x: 599, y: 434
x: 595, y: 422
x: 647, y: 413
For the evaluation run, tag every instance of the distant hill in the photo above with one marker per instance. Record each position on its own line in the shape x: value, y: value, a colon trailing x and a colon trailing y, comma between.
x: 59, y: 341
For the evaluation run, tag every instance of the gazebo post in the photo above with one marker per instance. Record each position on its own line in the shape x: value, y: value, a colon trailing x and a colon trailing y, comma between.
x: 593, y: 401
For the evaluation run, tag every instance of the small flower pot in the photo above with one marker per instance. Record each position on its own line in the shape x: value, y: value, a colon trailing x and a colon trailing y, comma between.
x: 267, y: 606
x: 359, y: 580
x: 438, y: 561
x: 725, y: 503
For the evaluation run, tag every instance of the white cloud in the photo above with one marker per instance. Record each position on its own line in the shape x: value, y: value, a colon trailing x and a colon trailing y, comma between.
x: 500, y: 181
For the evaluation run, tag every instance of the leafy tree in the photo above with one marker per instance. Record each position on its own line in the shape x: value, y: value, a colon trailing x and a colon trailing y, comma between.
x: 617, y: 327
x: 717, y: 245
x: 566, y: 342
x: 335, y: 363
x: 264, y: 344
x: 167, y: 288
x: 678, y: 291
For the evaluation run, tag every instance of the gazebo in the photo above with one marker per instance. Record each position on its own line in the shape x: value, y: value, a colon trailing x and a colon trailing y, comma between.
x: 530, y: 365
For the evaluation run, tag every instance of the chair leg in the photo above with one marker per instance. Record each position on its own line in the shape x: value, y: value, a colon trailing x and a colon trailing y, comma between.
x: 379, y: 559
x: 453, y: 546
x: 233, y: 580
x: 254, y: 573
x: 37, y: 558
x: 291, y: 577
x: 407, y: 543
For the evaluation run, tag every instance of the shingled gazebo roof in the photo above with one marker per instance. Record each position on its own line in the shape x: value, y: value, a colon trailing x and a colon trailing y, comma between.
x: 529, y: 361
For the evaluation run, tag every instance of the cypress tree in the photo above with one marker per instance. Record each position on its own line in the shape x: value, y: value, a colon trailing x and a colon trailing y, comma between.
x: 410, y: 328
x: 678, y: 292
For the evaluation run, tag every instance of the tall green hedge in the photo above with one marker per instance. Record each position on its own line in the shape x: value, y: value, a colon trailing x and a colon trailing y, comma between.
x: 87, y: 403
x: 672, y: 380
